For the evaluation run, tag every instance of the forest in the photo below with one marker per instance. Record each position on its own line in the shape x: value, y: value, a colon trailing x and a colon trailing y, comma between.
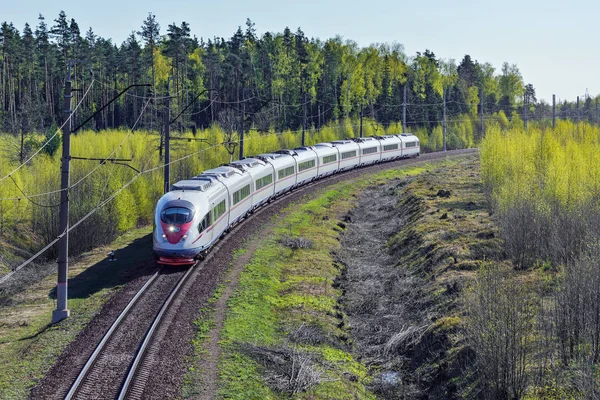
x: 277, y: 80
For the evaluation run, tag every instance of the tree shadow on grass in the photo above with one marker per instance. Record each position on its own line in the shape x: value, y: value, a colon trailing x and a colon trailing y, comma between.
x: 132, y: 261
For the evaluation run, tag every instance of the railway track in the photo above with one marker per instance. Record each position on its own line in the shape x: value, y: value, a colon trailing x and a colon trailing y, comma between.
x: 128, y: 340
x: 128, y: 354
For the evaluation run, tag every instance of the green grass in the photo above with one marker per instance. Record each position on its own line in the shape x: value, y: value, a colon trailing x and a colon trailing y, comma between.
x: 281, y: 290
x: 30, y: 348
x: 29, y: 345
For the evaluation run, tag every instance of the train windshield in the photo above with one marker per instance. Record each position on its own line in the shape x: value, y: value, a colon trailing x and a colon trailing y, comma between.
x: 176, y: 215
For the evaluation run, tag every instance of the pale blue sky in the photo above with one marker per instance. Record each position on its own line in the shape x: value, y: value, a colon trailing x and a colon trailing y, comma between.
x: 553, y: 42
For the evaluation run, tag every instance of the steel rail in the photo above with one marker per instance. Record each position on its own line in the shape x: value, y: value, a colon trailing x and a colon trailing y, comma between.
x: 149, y: 335
x: 106, y: 337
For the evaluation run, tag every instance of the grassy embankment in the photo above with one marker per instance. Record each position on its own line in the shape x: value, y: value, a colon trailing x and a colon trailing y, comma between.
x: 287, y: 331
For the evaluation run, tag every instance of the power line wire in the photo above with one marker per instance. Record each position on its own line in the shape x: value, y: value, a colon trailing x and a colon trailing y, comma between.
x: 28, y: 198
x: 53, y: 136
x: 102, y: 162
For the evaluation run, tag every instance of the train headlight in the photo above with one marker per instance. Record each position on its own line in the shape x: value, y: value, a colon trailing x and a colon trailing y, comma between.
x: 183, y: 238
x: 171, y: 228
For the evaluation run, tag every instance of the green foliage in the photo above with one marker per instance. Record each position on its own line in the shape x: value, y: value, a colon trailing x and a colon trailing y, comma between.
x: 544, y: 185
x: 53, y: 143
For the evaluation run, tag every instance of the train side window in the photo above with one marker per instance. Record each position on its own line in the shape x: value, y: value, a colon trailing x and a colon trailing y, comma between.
x: 205, y: 223
x: 218, y: 211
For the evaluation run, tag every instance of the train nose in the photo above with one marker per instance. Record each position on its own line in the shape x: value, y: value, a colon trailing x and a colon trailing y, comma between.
x: 175, y: 233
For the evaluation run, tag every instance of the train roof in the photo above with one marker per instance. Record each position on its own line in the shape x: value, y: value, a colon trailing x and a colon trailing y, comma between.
x: 365, y: 139
x: 346, y: 141
x: 287, y: 151
x: 249, y: 162
x: 224, y: 171
x: 304, y: 148
x: 196, y: 183
x: 271, y: 156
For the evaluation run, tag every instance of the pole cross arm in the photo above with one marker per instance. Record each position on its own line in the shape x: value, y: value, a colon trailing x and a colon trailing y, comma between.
x: 117, y: 161
x: 107, y: 104
x: 192, y: 102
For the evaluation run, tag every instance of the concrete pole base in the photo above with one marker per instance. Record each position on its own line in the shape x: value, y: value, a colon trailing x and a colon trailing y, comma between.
x: 59, y: 315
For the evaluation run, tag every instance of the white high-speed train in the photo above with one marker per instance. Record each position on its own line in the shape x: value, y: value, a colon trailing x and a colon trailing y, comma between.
x: 198, y: 211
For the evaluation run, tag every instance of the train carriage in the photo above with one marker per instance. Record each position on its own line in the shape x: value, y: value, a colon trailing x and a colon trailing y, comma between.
x: 349, y: 154
x: 327, y: 159
x: 370, y: 150
x: 306, y: 164
x: 411, y: 146
x: 391, y: 147
x: 239, y: 187
x: 262, y: 177
x: 284, y: 167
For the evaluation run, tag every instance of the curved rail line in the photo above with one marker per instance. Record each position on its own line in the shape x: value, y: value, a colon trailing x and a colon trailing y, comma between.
x: 134, y: 388
x: 106, y: 337
x: 86, y: 372
x: 138, y: 371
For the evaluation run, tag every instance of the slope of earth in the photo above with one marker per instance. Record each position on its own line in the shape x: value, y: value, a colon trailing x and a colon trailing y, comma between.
x: 409, y: 249
x: 355, y: 294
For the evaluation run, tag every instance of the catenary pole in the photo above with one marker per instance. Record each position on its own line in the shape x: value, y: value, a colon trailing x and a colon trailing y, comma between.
x: 167, y: 171
x: 404, y: 112
x: 304, y: 122
x: 444, y: 100
x: 553, y: 111
x: 361, y: 120
x: 525, y: 109
x: 243, y: 115
x: 62, y: 310
x: 481, y: 112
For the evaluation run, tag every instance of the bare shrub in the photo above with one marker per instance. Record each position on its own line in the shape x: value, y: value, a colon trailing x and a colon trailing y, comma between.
x: 296, y: 243
x: 499, y: 328
x: 569, y: 232
x: 525, y: 232
x: 536, y: 230
x: 577, y: 312
x: 288, y: 369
